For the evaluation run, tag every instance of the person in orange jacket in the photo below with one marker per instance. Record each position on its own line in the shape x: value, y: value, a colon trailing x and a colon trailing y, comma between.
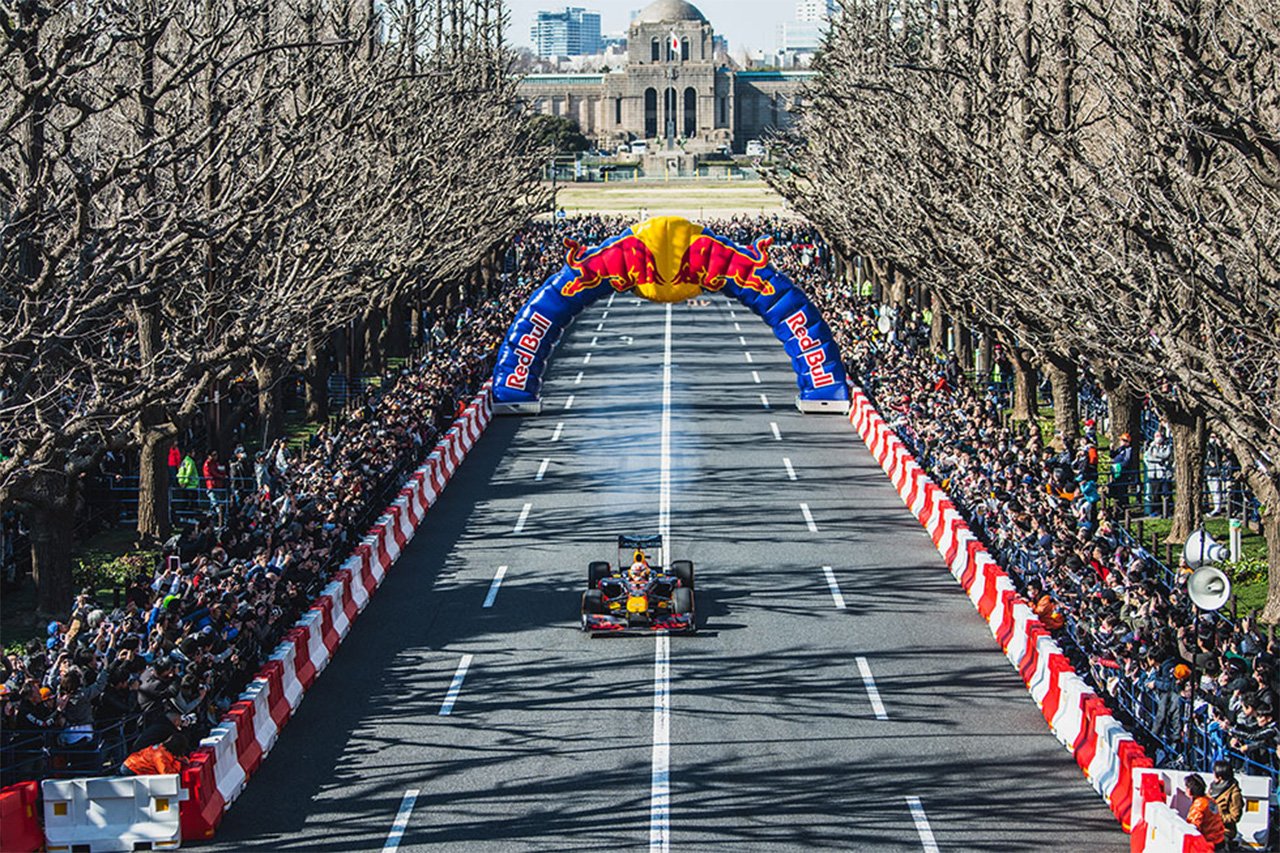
x: 1203, y: 814
x: 1043, y: 605
x: 157, y: 760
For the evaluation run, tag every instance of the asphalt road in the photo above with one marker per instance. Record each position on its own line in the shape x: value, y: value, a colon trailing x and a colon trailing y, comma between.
x: 775, y: 743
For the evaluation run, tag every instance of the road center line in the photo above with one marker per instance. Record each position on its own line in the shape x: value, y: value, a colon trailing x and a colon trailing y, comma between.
x: 577, y: 380
x: 755, y: 374
x: 742, y: 340
x: 660, y: 780
x: 774, y: 426
x: 401, y: 822
x: 593, y: 342
x: 660, y: 788
x: 834, y: 587
x: 555, y: 436
x: 791, y: 472
x: 586, y: 359
x: 873, y: 693
x: 524, y: 514
x: 599, y: 326
x: 808, y: 517
x: 542, y: 470
x: 609, y: 304
x: 748, y: 357
x: 605, y: 315
x: 921, y: 820
x: 456, y: 687
x: 764, y: 401
x: 493, y: 587
x: 568, y: 404
x: 737, y: 328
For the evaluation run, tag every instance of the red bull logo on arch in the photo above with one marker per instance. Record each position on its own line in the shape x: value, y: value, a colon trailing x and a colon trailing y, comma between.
x: 669, y: 259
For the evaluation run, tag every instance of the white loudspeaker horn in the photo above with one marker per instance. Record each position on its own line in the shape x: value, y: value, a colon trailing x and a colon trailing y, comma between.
x: 884, y: 324
x: 1209, y: 588
x: 1201, y: 550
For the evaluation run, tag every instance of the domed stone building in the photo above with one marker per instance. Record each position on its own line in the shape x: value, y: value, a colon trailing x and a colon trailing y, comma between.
x: 673, y: 92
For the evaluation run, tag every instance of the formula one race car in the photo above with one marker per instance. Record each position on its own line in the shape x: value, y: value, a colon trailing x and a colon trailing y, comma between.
x: 638, y: 594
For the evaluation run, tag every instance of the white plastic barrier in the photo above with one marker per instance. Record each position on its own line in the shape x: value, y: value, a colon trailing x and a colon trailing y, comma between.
x: 1255, y: 821
x: 1166, y: 831
x: 112, y: 814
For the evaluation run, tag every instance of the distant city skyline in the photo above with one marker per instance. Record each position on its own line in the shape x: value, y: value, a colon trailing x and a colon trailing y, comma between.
x: 747, y: 24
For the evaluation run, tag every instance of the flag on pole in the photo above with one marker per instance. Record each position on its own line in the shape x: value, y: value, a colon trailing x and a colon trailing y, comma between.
x: 675, y: 43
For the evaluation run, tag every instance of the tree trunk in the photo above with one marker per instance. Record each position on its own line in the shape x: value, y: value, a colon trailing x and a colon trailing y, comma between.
x: 51, y: 534
x: 1188, y: 433
x: 1064, y: 379
x: 316, y: 375
x: 372, y: 335
x: 267, y: 372
x: 1124, y: 410
x: 985, y: 357
x: 964, y: 344
x: 937, y: 323
x: 153, y: 483
x: 1025, y: 402
x: 397, y: 336
x: 1271, y: 532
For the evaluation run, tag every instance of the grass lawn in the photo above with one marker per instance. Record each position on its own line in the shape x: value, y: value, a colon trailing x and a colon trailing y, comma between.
x: 693, y: 200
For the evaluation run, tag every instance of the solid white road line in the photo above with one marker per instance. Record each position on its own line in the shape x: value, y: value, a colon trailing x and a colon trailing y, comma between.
x: 660, y: 782
x: 834, y: 587
x: 586, y: 359
x: 447, y: 708
x: 873, y: 693
x: 748, y: 356
x: 493, y: 587
x: 791, y: 472
x: 808, y: 518
x: 755, y: 374
x: 593, y: 342
x: 568, y: 404
x: 660, y: 785
x: 555, y: 436
x: 599, y: 326
x: 401, y: 821
x: 764, y: 401
x: 577, y: 380
x: 664, y: 477
x: 927, y: 840
x: 542, y: 470
x: 742, y: 340
x: 773, y: 426
x: 524, y: 514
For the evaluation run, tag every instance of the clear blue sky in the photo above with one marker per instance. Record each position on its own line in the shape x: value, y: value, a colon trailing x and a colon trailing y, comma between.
x: 746, y: 23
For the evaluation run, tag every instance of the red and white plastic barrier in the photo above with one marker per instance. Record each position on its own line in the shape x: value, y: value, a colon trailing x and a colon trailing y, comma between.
x: 222, y: 766
x: 1106, y: 753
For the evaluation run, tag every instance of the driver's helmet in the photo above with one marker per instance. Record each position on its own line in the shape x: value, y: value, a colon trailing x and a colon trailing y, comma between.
x: 639, y: 572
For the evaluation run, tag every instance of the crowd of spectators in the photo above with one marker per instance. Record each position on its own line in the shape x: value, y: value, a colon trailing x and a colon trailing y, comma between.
x: 1125, y: 618
x: 193, y: 629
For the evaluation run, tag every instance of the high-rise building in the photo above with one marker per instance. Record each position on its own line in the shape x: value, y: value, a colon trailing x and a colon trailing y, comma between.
x: 815, y: 11
x: 572, y: 32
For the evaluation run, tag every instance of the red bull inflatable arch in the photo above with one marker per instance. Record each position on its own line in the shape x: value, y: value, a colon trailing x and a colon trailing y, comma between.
x: 669, y: 259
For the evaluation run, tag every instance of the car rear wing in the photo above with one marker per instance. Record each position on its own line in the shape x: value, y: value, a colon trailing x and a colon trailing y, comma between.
x: 644, y: 543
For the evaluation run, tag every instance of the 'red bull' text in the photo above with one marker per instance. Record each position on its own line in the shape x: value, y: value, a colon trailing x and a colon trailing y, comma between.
x: 526, y: 350
x: 810, y: 350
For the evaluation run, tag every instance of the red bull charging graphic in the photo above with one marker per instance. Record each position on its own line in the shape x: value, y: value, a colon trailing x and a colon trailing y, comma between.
x: 668, y: 259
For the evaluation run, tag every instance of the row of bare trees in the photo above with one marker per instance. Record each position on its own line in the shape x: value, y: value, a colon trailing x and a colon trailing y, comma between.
x: 1094, y: 184
x: 195, y: 191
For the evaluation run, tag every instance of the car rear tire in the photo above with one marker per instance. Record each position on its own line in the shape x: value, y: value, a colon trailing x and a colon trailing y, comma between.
x: 683, y: 569
x: 596, y: 572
